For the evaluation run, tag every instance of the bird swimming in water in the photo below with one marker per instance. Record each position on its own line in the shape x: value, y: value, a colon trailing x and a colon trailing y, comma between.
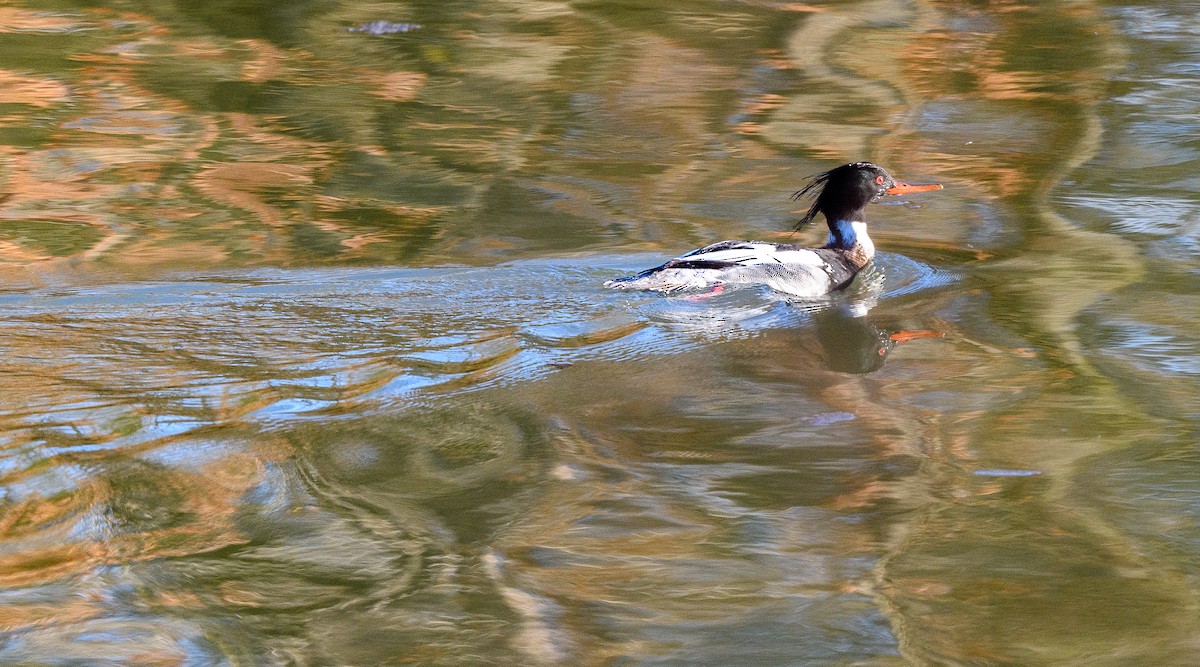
x: 840, y: 194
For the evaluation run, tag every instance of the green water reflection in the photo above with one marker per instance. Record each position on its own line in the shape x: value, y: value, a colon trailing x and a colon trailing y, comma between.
x: 307, y: 360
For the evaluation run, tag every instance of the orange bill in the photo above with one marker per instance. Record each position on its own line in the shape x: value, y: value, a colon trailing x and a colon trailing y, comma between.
x: 905, y: 336
x: 899, y: 188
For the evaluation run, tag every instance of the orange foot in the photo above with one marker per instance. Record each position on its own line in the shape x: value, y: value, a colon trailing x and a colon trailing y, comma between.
x: 717, y: 289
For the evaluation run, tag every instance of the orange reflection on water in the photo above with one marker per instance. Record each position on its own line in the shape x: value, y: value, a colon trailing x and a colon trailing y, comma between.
x: 18, y: 20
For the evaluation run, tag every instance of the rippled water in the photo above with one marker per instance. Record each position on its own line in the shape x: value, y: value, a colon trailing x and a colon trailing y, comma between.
x: 307, y: 360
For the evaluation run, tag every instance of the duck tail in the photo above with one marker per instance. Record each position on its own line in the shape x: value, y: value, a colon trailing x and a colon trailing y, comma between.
x: 638, y: 281
x: 664, y: 278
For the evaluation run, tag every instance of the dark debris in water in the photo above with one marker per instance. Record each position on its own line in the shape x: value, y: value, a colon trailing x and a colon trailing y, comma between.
x: 384, y: 28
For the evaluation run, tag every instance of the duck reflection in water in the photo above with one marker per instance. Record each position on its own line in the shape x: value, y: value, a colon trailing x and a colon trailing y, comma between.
x: 847, y: 339
x: 852, y: 344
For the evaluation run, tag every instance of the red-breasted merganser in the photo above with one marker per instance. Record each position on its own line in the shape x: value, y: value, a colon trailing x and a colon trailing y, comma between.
x: 841, y: 194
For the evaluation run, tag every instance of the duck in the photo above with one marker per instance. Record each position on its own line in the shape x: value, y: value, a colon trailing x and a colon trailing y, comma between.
x: 840, y: 194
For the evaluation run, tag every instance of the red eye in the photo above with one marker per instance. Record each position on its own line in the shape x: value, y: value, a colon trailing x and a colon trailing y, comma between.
x: 880, y: 179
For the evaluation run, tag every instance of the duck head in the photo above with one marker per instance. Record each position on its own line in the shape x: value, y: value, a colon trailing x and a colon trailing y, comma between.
x: 842, y: 193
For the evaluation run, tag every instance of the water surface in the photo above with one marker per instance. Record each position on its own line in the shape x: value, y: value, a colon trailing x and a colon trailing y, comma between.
x: 307, y: 360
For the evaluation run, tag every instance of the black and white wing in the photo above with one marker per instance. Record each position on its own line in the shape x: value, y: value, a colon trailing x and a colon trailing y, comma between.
x: 729, y: 254
x: 782, y: 266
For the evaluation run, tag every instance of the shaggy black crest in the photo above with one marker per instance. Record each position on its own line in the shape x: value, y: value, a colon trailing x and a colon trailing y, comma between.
x: 843, y: 178
x: 815, y: 184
